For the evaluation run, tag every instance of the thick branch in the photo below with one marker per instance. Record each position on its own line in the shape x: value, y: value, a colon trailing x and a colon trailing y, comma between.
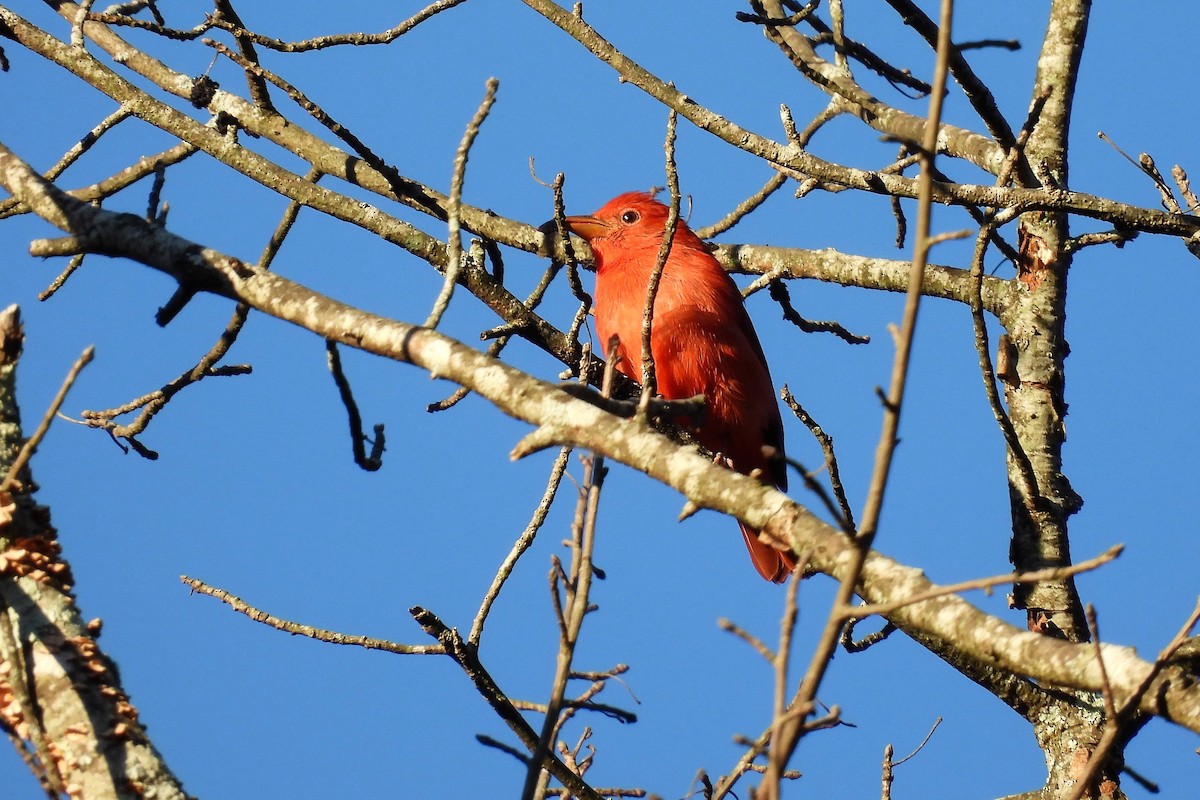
x: 335, y: 162
x: 794, y: 158
x: 869, y: 273
x: 563, y: 418
x: 73, y: 705
x: 837, y: 82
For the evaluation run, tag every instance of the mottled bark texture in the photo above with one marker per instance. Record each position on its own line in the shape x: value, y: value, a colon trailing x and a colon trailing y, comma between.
x: 61, y: 700
x: 1067, y: 726
x: 1049, y: 673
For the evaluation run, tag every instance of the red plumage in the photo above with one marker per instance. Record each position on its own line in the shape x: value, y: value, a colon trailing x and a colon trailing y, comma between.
x: 703, y: 341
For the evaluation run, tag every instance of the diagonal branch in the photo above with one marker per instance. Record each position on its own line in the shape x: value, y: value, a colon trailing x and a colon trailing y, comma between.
x: 976, y: 90
x: 987, y: 640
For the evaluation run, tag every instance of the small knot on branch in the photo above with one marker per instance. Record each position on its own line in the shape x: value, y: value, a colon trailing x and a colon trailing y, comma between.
x: 204, y: 89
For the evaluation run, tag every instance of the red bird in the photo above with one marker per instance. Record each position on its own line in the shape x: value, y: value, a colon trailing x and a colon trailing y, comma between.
x: 703, y: 341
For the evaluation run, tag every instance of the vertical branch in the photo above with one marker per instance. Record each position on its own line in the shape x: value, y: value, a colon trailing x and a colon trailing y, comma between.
x: 895, y: 396
x: 649, y: 382
x: 1036, y: 323
x: 68, y: 697
x: 520, y: 546
x: 577, y: 586
x: 787, y: 735
x: 454, y: 205
x: 358, y: 439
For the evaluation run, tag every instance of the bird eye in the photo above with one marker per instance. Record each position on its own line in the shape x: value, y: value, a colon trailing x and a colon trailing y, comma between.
x: 629, y: 217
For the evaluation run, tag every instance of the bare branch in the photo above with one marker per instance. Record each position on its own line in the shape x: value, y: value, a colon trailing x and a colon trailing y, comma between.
x: 786, y: 737
x: 986, y: 640
x: 649, y: 380
x: 1052, y: 573
x: 321, y: 42
x: 524, y: 541
x: 467, y: 658
x: 371, y: 462
x: 779, y: 293
x: 299, y: 629
x: 454, y: 221
x: 12, y: 476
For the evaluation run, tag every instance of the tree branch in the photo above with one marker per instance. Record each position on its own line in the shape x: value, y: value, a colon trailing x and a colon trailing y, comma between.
x: 986, y: 639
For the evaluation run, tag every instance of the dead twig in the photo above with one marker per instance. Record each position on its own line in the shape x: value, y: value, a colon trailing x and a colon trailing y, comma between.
x: 299, y: 629
x: 649, y: 381
x: 371, y: 462
x: 11, y: 477
x: 454, y: 221
x: 1049, y: 574
x: 1127, y: 710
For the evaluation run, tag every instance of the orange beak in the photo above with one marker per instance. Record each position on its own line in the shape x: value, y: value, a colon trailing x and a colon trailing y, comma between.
x: 587, y: 228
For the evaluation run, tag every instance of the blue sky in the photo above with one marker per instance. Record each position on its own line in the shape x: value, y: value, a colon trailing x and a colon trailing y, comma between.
x: 256, y: 492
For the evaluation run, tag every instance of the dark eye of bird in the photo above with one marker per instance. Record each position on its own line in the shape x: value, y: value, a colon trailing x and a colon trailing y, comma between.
x: 630, y: 217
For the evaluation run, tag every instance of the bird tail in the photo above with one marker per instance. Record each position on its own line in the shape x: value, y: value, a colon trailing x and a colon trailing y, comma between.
x: 773, y: 564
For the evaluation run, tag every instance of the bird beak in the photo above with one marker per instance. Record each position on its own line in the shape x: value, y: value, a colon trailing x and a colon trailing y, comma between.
x: 587, y: 228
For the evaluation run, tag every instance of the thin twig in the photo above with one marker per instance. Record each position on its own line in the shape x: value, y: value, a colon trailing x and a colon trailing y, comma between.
x: 488, y: 741
x: 889, y: 764
x: 1048, y: 574
x: 831, y: 112
x: 31, y: 444
x: 468, y: 658
x: 123, y: 112
x: 401, y: 188
x: 454, y: 206
x: 779, y: 293
x: 1179, y: 174
x: 852, y: 645
x: 758, y: 644
x: 649, y: 380
x: 334, y: 40
x: 921, y: 746
x: 843, y: 512
x: 117, y: 17
x: 1145, y: 164
x: 776, y: 22
x: 75, y: 262
x: 744, y: 208
x: 502, y: 335
x: 371, y: 462
x: 603, y: 792
x: 577, y: 587
x: 254, y: 81
x: 1027, y: 486
x: 1116, y: 236
x: 298, y: 629
x: 976, y: 90
x: 523, y: 543
x: 787, y: 627
x: 1106, y: 690
x: 900, y: 79
x: 147, y: 165
x: 152, y: 403
x: 29, y: 759
x: 786, y: 737
x: 1128, y: 707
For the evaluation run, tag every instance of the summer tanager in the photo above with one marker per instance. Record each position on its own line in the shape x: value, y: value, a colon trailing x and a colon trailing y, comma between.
x: 702, y: 341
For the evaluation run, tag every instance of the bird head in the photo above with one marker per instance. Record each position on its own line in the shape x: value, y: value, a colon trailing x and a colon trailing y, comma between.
x: 629, y: 220
x: 629, y: 215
